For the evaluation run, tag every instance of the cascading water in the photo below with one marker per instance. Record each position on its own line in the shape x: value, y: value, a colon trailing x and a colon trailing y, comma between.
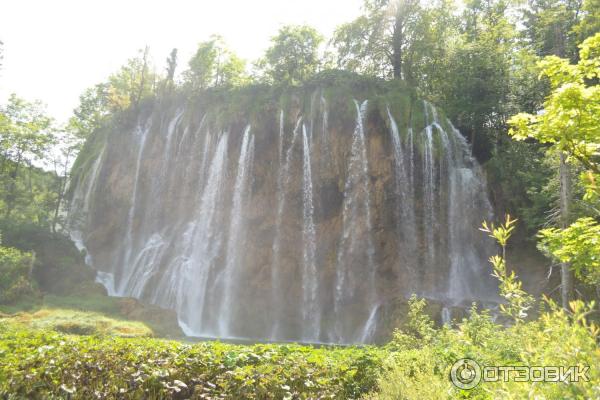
x: 203, y: 248
x: 306, y: 221
x: 228, y: 279
x: 310, y: 306
x: 282, y: 184
x: 356, y: 242
x: 404, y: 175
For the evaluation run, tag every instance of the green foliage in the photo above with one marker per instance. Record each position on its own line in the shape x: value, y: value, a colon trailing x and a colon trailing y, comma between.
x: 214, y: 65
x: 398, y: 38
x: 572, y: 111
x: 25, y: 140
x: 589, y: 20
x: 418, y: 329
x: 557, y: 338
x: 418, y: 366
x: 133, y: 82
x: 549, y: 26
x: 520, y: 176
x: 578, y: 245
x: 42, y: 364
x: 569, y: 124
x: 93, y: 110
x: 15, y: 275
x: 78, y: 323
x: 293, y: 56
x: 519, y: 302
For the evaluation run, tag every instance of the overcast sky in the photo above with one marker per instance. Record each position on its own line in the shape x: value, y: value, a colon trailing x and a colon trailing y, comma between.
x: 53, y: 50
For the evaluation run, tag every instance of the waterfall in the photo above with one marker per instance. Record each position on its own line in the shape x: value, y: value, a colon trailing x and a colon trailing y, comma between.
x: 356, y: 207
x: 310, y: 304
x: 405, y: 212
x: 228, y: 279
x: 203, y: 247
x: 282, y: 183
x: 429, y: 188
x: 81, y: 201
x: 308, y: 219
x: 446, y: 316
x: 142, y: 134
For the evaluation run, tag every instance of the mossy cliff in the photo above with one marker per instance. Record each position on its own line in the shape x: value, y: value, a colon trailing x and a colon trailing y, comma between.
x: 285, y: 213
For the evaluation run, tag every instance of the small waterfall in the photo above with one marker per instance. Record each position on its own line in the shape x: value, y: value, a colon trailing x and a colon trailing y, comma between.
x: 282, y: 183
x: 228, y: 279
x: 81, y: 203
x: 281, y: 137
x: 142, y: 134
x: 310, y: 305
x: 356, y: 212
x: 204, y: 246
x: 446, y: 316
x: 370, y: 326
x: 404, y: 190
x: 411, y: 161
x: 205, y: 155
x: 429, y: 189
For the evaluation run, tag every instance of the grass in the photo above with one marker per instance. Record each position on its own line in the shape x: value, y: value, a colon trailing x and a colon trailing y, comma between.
x: 77, y: 322
x: 90, y: 311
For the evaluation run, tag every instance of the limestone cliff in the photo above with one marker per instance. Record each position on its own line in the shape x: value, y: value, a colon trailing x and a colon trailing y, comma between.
x: 284, y: 214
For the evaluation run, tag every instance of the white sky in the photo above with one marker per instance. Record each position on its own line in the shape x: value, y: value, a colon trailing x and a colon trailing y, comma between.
x: 53, y: 50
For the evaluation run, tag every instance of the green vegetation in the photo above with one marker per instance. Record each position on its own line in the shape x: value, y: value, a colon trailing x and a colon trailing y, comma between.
x: 424, y: 355
x: 38, y: 364
x: 420, y: 365
x: 77, y: 323
x: 15, y: 271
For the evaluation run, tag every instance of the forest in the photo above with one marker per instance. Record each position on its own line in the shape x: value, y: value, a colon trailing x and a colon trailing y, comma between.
x: 502, y: 182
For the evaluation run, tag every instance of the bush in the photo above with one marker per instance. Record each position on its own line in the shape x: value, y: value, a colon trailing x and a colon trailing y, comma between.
x: 46, y: 364
x: 421, y: 364
x: 15, y: 275
x: 557, y: 338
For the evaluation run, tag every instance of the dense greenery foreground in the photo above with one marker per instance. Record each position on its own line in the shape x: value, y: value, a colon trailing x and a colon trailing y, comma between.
x: 415, y: 365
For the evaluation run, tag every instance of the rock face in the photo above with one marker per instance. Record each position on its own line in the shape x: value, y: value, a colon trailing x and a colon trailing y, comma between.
x: 302, y: 215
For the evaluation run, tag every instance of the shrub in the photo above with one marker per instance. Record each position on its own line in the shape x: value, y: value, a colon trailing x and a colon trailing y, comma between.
x: 39, y: 364
x: 15, y: 275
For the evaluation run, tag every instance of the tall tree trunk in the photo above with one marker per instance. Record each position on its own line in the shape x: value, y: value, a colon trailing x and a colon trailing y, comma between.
x: 564, y: 177
x: 11, y: 192
x: 61, y: 192
x: 397, y: 41
x: 566, y: 276
x: 143, y: 77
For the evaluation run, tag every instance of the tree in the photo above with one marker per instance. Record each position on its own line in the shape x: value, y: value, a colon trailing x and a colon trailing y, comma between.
x: 589, y: 20
x: 569, y: 121
x: 133, y: 82
x: 171, y: 66
x: 576, y: 245
x: 202, y: 66
x: 214, y: 65
x: 478, y: 73
x: 293, y: 56
x: 26, y: 136
x: 66, y: 148
x: 94, y: 107
x: 549, y: 26
x: 397, y: 38
x: 569, y: 124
